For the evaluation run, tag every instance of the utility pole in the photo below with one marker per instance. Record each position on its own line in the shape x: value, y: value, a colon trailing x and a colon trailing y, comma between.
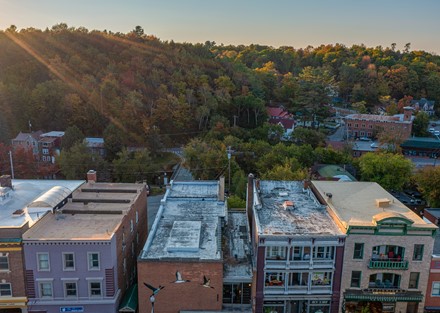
x: 229, y: 169
x: 12, y: 164
x: 235, y: 120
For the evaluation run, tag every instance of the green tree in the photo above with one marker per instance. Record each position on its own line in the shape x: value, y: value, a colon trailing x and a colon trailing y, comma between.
x: 113, y: 141
x: 308, y: 136
x: 289, y: 170
x: 391, y: 171
x: 428, y: 182
x: 420, y: 124
x: 77, y: 161
x: 72, y: 135
x: 132, y: 167
x: 235, y: 202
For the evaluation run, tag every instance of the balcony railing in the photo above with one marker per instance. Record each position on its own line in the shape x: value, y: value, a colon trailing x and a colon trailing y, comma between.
x: 297, y: 264
x: 392, y: 264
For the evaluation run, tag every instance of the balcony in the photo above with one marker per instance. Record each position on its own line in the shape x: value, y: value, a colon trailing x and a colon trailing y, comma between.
x: 390, y: 264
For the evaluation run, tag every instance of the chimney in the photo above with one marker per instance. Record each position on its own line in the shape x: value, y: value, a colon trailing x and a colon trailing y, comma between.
x: 250, y: 199
x: 221, y: 189
x: 306, y: 184
x: 407, y: 113
x: 5, y: 181
x: 91, y: 176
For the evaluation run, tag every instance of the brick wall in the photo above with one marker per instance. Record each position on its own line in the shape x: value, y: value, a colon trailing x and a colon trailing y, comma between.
x: 185, y: 296
x: 370, y: 241
x: 15, y: 275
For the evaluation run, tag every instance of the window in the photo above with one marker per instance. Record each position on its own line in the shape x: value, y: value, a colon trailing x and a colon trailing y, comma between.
x: 43, y: 261
x: 70, y: 290
x: 93, y: 261
x: 137, y: 217
x: 274, y: 279
x: 413, y: 280
x: 45, y: 151
x: 5, y: 290
x: 358, y: 251
x: 363, y: 125
x: 95, y: 289
x: 435, y: 292
x: 45, y: 289
x: 323, y: 252
x: 355, y: 279
x: 418, y: 252
x: 356, y: 125
x: 277, y: 253
x: 68, y: 261
x: 4, y: 263
x: 321, y: 278
x: 131, y: 226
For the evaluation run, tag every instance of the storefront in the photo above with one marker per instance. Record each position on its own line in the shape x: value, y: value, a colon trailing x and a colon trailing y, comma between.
x: 297, y: 306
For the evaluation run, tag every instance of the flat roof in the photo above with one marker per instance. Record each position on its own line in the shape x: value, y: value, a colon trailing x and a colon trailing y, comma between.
x: 103, y: 197
x: 306, y: 217
x: 23, y: 193
x: 53, y: 133
x: 354, y: 203
x: 379, y: 118
x: 237, y: 264
x: 421, y: 143
x: 59, y: 226
x: 187, y: 225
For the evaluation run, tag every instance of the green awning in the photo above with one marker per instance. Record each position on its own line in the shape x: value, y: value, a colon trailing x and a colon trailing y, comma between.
x: 397, y: 297
x: 130, y: 301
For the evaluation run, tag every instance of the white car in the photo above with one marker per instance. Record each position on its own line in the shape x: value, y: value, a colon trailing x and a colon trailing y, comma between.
x: 431, y: 130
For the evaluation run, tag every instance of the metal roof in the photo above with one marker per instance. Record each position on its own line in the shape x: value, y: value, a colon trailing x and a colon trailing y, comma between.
x: 51, y: 198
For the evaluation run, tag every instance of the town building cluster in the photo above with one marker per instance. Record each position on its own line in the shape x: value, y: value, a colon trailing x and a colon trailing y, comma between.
x: 297, y: 247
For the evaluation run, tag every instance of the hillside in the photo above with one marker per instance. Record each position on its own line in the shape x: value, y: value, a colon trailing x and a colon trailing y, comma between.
x: 153, y: 90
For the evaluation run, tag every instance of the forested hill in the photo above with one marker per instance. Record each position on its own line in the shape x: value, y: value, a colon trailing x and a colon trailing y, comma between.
x: 143, y: 86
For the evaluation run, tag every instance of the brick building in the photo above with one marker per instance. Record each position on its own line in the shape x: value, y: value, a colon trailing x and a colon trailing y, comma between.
x: 83, y: 256
x: 186, y: 237
x: 20, y: 209
x: 369, y: 125
x: 297, y: 249
x: 432, y: 302
x: 387, y: 250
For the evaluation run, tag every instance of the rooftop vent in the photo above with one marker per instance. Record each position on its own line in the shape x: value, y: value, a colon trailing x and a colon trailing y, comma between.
x: 383, y: 202
x: 329, y: 195
x: 5, y: 181
x: 283, y: 194
x: 288, y: 205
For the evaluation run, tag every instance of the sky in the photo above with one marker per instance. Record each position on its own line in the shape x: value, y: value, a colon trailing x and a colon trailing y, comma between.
x: 275, y: 23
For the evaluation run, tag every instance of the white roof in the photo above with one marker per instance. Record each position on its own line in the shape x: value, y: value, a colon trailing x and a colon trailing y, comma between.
x: 53, y: 134
x: 187, y: 224
x: 51, y: 198
x: 24, y: 193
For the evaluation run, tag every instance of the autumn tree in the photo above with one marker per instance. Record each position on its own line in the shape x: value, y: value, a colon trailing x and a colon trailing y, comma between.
x: 428, y: 182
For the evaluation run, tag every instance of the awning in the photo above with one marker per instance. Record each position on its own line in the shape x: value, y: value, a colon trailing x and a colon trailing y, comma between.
x: 432, y: 308
x: 397, y: 297
x: 130, y: 301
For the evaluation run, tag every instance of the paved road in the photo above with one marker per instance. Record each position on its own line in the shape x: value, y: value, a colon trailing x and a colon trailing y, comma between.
x: 338, y: 135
